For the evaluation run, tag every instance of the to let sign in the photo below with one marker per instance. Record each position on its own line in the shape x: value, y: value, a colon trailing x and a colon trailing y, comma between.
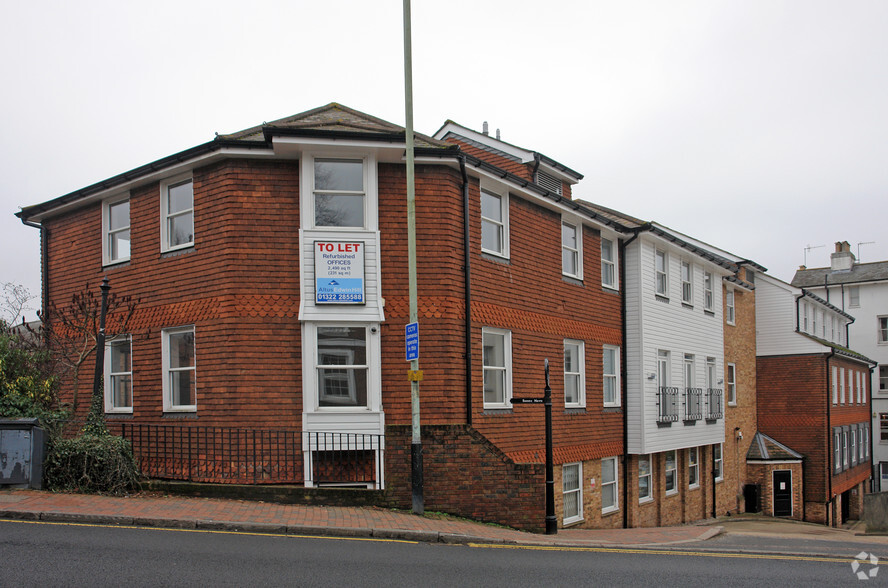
x: 339, y: 272
x: 411, y: 340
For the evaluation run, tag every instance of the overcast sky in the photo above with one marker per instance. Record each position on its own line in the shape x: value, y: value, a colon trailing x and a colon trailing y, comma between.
x: 758, y: 126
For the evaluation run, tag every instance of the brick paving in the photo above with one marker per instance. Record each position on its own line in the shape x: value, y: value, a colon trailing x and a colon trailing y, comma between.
x: 256, y: 516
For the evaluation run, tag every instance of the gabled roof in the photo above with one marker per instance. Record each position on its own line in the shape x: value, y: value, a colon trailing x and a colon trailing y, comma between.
x: 764, y: 448
x: 503, y: 149
x: 860, y: 272
x: 330, y: 121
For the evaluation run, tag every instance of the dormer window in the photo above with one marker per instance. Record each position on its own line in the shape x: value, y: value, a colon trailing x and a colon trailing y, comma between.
x: 548, y: 182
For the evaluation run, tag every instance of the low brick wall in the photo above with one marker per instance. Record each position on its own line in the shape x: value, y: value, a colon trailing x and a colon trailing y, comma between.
x: 466, y: 475
x: 875, y: 512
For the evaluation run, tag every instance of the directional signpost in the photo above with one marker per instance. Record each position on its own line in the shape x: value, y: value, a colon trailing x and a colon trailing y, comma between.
x: 546, y: 400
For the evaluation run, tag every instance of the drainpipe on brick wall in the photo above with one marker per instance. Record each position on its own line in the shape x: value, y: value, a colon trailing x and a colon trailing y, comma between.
x: 44, y: 242
x: 467, y: 276
x: 829, y: 437
x: 622, y: 252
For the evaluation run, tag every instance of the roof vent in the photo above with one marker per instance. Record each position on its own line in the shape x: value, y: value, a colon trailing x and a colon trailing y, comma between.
x: 484, y: 128
x: 548, y: 181
x: 498, y: 135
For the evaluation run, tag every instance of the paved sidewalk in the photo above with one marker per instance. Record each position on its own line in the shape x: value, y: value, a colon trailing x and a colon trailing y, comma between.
x: 266, y: 517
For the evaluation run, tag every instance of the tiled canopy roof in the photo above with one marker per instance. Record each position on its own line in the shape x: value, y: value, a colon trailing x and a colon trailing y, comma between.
x: 764, y: 448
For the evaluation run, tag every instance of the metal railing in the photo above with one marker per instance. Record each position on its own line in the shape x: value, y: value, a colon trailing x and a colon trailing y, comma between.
x: 667, y: 404
x: 344, y: 459
x: 693, y: 404
x: 230, y: 455
x: 714, y: 408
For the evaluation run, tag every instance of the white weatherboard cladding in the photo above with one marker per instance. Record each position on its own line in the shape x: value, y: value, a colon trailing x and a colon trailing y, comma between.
x: 654, y: 324
x: 372, y: 310
x: 775, y: 320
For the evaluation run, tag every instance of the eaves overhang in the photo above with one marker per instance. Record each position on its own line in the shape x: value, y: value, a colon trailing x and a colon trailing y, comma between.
x: 695, y: 249
x: 819, y: 300
x: 839, y: 350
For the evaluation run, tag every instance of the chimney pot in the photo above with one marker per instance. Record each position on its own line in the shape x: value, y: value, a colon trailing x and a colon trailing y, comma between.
x: 497, y: 134
x: 484, y: 128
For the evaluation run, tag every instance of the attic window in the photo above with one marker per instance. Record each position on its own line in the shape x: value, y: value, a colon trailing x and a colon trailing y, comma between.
x: 548, y: 181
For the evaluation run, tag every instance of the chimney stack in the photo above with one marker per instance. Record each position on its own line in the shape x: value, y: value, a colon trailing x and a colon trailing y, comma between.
x: 484, y: 128
x: 497, y: 135
x: 842, y: 259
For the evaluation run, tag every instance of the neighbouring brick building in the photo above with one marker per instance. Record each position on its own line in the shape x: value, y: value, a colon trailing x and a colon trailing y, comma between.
x: 267, y: 345
x: 813, y: 398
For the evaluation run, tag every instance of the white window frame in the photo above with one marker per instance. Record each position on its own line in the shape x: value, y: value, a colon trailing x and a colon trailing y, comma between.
x: 693, y: 455
x: 852, y: 447
x: 845, y: 459
x: 673, y: 470
x: 841, y: 385
x: 882, y: 334
x: 609, y: 265
x: 661, y: 274
x: 614, y: 378
x: 579, y: 374
x: 835, y: 385
x: 363, y: 193
x: 718, y: 461
x: 108, y: 233
x: 883, y: 378
x: 853, y: 296
x: 708, y: 297
x: 349, y: 366
x: 576, y: 252
x: 615, y: 483
x: 687, y: 282
x: 578, y: 491
x: 649, y: 476
x: 503, y: 224
x: 168, y: 405
x: 883, y: 427
x: 110, y: 376
x: 506, y: 337
x: 837, y: 450
x: 730, y: 308
x: 165, y: 216
x: 731, y: 384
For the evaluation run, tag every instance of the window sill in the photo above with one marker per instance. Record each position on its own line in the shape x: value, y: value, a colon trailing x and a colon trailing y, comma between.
x: 611, y: 289
x: 177, y: 251
x: 119, y: 414
x: 670, y: 493
x: 708, y: 312
x: 612, y: 407
x: 694, y: 487
x: 495, y: 257
x: 662, y: 298
x: 574, y: 410
x: 730, y: 324
x: 687, y: 305
x: 180, y: 414
x: 116, y: 264
x: 610, y: 512
x: 648, y: 500
x: 573, y: 280
x: 572, y: 523
x: 496, y: 410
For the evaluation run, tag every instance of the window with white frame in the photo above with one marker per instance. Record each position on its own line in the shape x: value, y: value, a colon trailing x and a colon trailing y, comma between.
x: 823, y: 324
x: 841, y: 385
x: 494, y: 223
x: 693, y: 468
x: 731, y: 384
x: 832, y: 336
x: 814, y: 321
x: 671, y: 468
x: 572, y: 489
x: 571, y: 250
x: 883, y: 475
x: 497, y: 361
x: 729, y: 307
x: 611, y: 382
x: 835, y: 385
x: 844, y: 449
x: 861, y: 388
x: 661, y: 272
x: 883, y: 427
x: 804, y: 326
x: 342, y: 366
x: 608, y: 264
x: 852, y: 447
x: 883, y: 378
x: 609, y: 486
x: 854, y: 296
x: 645, y: 479
x: 707, y: 291
x: 718, y: 462
x: 687, y: 290
x: 861, y: 454
x: 339, y: 193
x: 574, y: 373
x: 179, y: 369
x: 116, y: 228
x: 837, y: 450
x: 883, y: 329
x: 177, y: 213
x: 118, y: 374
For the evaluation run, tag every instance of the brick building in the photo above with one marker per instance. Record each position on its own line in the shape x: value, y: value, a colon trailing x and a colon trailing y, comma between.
x: 814, y: 397
x: 267, y: 344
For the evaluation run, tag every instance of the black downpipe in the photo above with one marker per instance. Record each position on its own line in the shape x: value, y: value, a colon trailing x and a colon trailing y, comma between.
x: 622, y: 252
x: 467, y: 276
x: 830, y: 436
x: 44, y: 281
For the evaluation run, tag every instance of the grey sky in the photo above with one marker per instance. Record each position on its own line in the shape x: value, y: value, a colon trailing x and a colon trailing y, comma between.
x: 757, y: 126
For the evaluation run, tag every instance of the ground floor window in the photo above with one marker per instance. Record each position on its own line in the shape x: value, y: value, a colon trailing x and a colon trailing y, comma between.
x: 645, y: 492
x: 118, y: 374
x: 572, y: 487
x: 179, y: 369
x: 693, y: 468
x: 670, y: 470
x: 342, y: 366
x: 609, y: 486
x: 883, y: 475
x: 718, y: 464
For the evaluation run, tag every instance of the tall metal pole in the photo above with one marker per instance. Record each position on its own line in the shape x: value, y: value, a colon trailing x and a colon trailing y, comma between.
x: 416, y: 441
x: 551, y: 520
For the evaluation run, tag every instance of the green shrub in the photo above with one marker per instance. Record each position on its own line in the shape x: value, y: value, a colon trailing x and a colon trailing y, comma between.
x: 92, y: 463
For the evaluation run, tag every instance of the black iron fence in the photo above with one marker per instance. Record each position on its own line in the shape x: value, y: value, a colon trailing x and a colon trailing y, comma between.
x: 232, y: 455
x: 714, y: 403
x: 667, y: 410
x: 693, y: 404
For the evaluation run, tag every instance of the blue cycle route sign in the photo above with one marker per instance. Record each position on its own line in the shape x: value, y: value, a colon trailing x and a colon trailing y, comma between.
x: 411, y: 340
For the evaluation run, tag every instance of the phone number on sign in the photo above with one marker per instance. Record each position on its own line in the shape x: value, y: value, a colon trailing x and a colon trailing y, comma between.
x: 340, y: 297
